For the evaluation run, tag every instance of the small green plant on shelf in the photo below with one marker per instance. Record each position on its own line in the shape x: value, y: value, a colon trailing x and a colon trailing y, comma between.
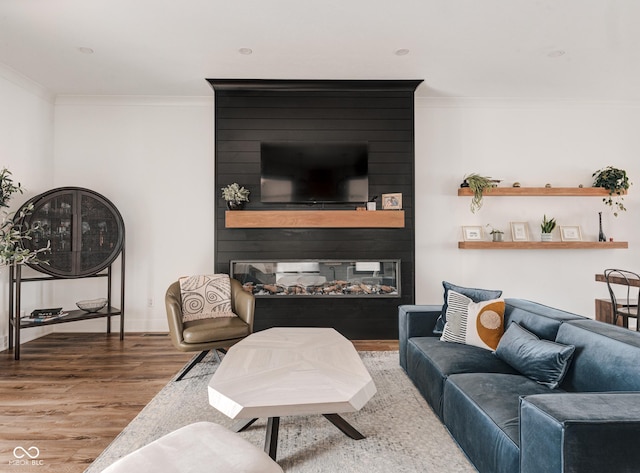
x: 616, y: 182
x: 547, y: 226
x: 12, y: 231
x: 497, y: 235
x: 478, y: 185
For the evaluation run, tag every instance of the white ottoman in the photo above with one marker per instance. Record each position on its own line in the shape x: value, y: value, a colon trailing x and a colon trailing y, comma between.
x: 200, y: 447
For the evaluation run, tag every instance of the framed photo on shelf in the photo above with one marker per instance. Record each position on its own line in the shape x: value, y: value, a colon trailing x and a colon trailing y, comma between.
x: 472, y: 233
x: 392, y: 201
x: 570, y: 233
x: 519, y: 231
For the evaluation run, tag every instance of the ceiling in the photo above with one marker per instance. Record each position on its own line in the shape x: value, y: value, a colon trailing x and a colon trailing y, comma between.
x: 576, y: 49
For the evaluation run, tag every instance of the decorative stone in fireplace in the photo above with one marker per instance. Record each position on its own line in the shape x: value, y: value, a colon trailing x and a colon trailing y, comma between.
x: 319, y: 278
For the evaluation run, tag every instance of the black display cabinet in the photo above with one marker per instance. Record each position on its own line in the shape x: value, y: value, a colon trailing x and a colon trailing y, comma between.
x: 86, y: 234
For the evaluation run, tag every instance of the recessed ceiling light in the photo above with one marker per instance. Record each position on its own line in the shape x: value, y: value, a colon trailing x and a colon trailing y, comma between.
x: 84, y: 50
x: 401, y: 52
x: 556, y: 53
x: 245, y: 51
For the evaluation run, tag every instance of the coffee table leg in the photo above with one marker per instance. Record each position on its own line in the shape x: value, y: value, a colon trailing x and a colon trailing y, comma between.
x: 242, y: 425
x: 344, y: 426
x: 271, y: 439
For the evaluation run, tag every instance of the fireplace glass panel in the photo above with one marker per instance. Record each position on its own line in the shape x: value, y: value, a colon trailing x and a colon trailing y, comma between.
x: 319, y: 278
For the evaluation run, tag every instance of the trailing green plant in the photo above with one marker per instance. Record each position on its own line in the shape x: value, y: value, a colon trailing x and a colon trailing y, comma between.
x: 12, y: 231
x: 235, y: 193
x: 478, y: 185
x: 616, y: 182
x: 547, y: 226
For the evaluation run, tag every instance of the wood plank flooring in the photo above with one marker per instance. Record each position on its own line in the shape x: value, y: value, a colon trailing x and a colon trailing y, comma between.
x: 71, y: 394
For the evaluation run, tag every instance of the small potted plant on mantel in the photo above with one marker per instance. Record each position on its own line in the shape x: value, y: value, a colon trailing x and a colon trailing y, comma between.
x: 235, y: 195
x: 547, y: 226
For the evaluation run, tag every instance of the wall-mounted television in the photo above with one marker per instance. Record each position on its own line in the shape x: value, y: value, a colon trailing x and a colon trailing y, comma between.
x: 308, y: 173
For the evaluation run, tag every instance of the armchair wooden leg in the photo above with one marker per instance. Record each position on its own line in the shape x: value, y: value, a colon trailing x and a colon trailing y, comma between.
x: 194, y: 362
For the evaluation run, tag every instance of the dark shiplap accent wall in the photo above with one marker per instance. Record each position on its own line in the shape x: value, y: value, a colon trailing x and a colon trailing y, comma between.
x: 380, y: 112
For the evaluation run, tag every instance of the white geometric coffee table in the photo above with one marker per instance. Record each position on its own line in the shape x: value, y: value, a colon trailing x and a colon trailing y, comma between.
x: 289, y: 371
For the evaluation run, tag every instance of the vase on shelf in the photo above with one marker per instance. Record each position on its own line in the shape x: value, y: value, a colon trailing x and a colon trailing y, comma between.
x: 546, y: 237
x: 601, y: 236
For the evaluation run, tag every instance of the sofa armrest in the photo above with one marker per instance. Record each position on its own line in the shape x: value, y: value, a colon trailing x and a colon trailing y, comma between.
x: 585, y: 432
x: 415, y: 321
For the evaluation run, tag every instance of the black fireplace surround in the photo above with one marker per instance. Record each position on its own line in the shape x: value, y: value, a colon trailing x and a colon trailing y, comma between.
x: 380, y: 113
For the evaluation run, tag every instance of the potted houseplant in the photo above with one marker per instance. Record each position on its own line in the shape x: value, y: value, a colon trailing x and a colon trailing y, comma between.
x: 496, y: 235
x: 547, y: 227
x: 478, y: 185
x: 616, y: 182
x: 235, y: 195
x: 12, y: 231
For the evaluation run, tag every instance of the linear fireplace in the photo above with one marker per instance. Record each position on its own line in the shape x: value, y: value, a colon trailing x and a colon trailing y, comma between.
x: 319, y: 278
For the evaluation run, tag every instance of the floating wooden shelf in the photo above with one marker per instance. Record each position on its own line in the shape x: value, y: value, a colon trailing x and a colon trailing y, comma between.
x: 314, y: 219
x: 542, y: 245
x: 541, y: 191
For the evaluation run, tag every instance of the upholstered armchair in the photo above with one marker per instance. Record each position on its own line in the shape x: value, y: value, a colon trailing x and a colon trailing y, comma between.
x: 211, y: 333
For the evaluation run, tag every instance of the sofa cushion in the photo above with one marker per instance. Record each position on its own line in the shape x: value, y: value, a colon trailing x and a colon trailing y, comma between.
x: 476, y: 295
x: 481, y: 410
x: 480, y: 324
x: 430, y: 362
x: 606, y: 357
x: 539, y: 319
x: 543, y: 361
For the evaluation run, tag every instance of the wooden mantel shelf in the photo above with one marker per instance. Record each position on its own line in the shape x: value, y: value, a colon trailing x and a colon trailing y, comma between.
x: 314, y: 219
x: 542, y: 245
x: 541, y: 191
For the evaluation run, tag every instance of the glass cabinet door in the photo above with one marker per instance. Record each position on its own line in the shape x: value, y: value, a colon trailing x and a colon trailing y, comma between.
x: 85, y: 231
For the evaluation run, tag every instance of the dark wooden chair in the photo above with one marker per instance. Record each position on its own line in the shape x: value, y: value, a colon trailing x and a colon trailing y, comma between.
x: 623, y: 303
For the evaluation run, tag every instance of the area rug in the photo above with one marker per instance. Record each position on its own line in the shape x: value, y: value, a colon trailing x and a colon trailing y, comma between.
x: 403, y: 435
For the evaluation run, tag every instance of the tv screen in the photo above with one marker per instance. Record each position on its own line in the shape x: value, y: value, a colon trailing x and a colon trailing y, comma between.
x: 296, y: 172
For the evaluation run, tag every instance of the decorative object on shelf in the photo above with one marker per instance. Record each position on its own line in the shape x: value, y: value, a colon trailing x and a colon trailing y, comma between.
x: 472, y: 233
x: 570, y: 233
x: 519, y: 231
x: 547, y: 226
x: 12, y: 231
x: 547, y: 186
x: 478, y: 185
x: 392, y: 201
x: 371, y: 205
x: 496, y: 235
x: 235, y: 195
x: 516, y: 184
x: 601, y: 236
x: 616, y: 182
x: 92, y: 305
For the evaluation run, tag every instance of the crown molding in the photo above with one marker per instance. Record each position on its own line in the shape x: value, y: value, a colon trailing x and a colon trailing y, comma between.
x: 522, y: 103
x: 22, y: 81
x: 135, y: 100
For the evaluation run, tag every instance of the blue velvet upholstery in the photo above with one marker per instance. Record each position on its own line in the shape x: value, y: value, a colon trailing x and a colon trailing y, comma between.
x: 430, y: 361
x: 590, y: 424
x: 538, y: 319
x: 607, y: 357
x: 580, y: 432
x: 475, y: 294
x: 481, y: 411
x: 543, y: 361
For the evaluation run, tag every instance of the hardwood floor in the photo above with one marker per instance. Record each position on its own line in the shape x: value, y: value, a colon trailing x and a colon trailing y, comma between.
x: 71, y: 394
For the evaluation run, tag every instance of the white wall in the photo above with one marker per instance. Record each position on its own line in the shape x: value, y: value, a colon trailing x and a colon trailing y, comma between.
x: 153, y: 158
x: 26, y: 149
x: 533, y: 142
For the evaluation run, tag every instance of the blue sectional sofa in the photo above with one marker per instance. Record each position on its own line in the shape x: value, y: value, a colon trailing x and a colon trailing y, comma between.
x: 506, y: 422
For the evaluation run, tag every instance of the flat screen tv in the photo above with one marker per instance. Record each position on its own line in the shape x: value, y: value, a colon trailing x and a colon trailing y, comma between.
x: 308, y: 173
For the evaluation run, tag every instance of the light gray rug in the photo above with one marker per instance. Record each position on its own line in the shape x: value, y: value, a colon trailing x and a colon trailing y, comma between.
x: 402, y: 434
